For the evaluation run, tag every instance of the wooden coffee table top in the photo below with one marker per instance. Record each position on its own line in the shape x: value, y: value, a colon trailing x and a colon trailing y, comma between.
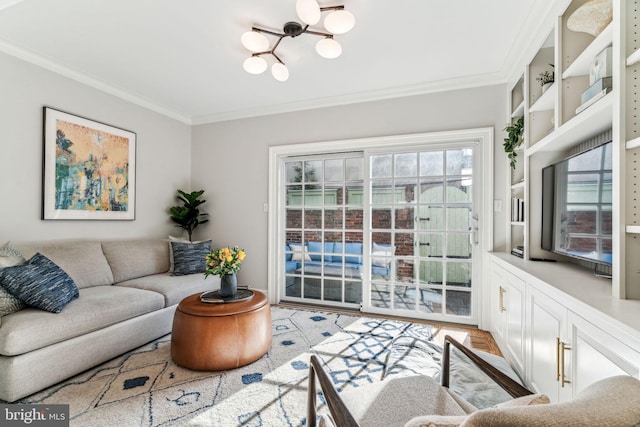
x: 193, y: 306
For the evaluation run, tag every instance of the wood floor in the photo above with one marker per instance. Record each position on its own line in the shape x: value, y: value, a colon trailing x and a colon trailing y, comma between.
x: 468, y: 335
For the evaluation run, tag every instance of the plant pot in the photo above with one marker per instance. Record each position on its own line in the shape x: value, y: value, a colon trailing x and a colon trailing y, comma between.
x: 228, y: 285
x: 546, y: 86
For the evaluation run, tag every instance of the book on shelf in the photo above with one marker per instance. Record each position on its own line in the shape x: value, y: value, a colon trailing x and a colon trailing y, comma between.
x: 518, y: 252
x: 592, y: 100
x: 517, y: 209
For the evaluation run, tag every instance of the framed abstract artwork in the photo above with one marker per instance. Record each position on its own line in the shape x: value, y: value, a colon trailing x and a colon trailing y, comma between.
x: 89, y: 169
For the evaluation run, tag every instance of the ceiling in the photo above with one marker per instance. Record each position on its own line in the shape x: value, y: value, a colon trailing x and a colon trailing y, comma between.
x: 183, y: 58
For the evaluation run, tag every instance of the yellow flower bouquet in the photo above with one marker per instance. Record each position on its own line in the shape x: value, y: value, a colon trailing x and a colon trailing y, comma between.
x: 224, y: 261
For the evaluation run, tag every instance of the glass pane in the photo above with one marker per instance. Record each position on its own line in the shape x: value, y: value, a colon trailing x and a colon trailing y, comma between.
x: 381, y: 218
x: 404, y: 218
x: 293, y: 171
x: 406, y: 164
x: 431, y: 245
x: 355, y: 195
x: 606, y: 188
x: 404, y: 244
x: 404, y: 297
x: 313, y: 218
x: 334, y: 170
x: 460, y: 162
x: 459, y: 191
x: 430, y: 218
x: 333, y: 218
x: 333, y: 196
x: 432, y: 191
x: 405, y: 191
x: 381, y: 295
x: 294, y: 195
x: 292, y: 286
x: 312, y: 288
x: 458, y: 218
x: 381, y: 166
x: 459, y: 303
x: 458, y: 246
x: 580, y: 219
x: 353, y: 292
x: 404, y: 270
x: 293, y: 218
x: 355, y: 169
x: 294, y: 236
x: 333, y: 236
x: 313, y: 171
x: 605, y: 225
x: 459, y: 274
x: 333, y: 290
x: 583, y: 188
x: 312, y: 195
x: 430, y: 272
x: 432, y: 163
x: 383, y: 193
x: 354, y: 219
x: 430, y: 300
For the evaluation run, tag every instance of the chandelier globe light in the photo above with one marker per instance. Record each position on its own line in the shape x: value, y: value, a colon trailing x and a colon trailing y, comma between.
x: 337, y: 21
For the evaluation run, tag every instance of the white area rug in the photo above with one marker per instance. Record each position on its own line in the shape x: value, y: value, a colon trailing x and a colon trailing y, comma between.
x: 145, y: 388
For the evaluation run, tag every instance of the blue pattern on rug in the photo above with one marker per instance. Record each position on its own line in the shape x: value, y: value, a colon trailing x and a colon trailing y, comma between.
x: 268, y: 392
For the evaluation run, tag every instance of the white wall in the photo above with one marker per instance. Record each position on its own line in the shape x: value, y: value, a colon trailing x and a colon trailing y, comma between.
x: 230, y: 159
x: 163, y: 155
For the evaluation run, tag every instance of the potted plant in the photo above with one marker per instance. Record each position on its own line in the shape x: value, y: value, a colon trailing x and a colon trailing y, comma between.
x: 188, y: 216
x: 225, y: 262
x: 546, y: 79
x: 513, y: 140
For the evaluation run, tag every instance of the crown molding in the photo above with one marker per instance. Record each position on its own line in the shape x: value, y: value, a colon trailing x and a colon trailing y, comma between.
x: 6, y: 4
x: 361, y: 97
x: 48, y: 64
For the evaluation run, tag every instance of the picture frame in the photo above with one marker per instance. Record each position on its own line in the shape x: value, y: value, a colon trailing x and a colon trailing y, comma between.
x: 89, y: 169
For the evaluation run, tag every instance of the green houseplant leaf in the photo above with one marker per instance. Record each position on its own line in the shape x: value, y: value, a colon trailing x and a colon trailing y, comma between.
x: 188, y: 216
x: 513, y: 140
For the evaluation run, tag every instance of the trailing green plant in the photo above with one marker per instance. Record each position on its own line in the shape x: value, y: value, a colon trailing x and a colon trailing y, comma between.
x: 513, y: 140
x: 188, y: 216
x: 546, y: 77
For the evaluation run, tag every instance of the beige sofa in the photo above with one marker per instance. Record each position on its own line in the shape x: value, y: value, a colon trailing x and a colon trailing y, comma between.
x: 127, y: 298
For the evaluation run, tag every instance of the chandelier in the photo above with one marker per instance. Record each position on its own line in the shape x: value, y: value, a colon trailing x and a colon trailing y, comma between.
x: 338, y: 21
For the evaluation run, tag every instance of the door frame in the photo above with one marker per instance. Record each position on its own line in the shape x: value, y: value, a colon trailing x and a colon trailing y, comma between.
x: 277, y: 155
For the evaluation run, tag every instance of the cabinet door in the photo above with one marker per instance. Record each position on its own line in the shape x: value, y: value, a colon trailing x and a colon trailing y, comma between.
x: 597, y: 354
x: 513, y: 297
x: 497, y: 304
x: 546, y: 323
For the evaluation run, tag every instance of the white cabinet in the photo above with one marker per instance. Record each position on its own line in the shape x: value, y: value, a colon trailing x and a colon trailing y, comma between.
x: 508, y: 315
x: 563, y: 324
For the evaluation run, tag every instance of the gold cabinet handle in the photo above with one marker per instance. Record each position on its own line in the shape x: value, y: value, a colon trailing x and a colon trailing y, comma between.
x: 502, y: 291
x: 561, y: 347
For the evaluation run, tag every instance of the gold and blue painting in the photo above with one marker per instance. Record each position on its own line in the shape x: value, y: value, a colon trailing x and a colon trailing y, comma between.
x: 89, y: 169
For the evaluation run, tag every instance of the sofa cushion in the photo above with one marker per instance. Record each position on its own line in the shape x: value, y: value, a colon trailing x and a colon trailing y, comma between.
x: 96, y: 308
x: 189, y: 258
x: 39, y: 283
x: 174, y: 289
x: 9, y: 256
x: 315, y: 249
x: 129, y: 259
x: 82, y: 260
x: 297, y: 250
x: 380, y: 255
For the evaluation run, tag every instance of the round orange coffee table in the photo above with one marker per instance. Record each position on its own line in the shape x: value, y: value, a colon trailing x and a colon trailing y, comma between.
x: 213, y: 337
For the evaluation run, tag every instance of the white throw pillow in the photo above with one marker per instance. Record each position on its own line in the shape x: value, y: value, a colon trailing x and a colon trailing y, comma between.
x: 9, y: 257
x: 379, y: 254
x: 297, y: 251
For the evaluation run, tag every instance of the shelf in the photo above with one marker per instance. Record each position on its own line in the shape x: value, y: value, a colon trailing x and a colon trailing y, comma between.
x: 633, y: 229
x: 580, y: 67
x: 595, y: 119
x: 519, y: 111
x: 633, y: 58
x: 634, y: 143
x: 546, y: 100
x: 517, y: 185
x: 518, y: 223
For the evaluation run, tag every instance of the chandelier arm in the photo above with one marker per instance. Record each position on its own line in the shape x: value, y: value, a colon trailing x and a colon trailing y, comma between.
x: 273, y: 33
x: 319, y: 33
x: 324, y: 9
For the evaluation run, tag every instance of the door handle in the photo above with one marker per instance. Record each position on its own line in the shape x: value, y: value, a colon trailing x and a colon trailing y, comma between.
x: 561, y: 348
x: 474, y: 230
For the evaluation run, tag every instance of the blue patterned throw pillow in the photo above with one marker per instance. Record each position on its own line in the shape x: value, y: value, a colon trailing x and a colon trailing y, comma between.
x: 189, y: 258
x: 40, y: 283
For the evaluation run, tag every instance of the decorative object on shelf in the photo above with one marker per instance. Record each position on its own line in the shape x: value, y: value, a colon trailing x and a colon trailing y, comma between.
x: 546, y: 79
x: 225, y: 262
x: 188, y: 216
x: 592, y: 17
x: 513, y: 140
x: 89, y: 169
x: 601, y: 66
x: 339, y: 21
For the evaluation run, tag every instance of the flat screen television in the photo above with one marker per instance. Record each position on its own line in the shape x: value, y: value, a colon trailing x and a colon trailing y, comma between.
x: 576, y: 206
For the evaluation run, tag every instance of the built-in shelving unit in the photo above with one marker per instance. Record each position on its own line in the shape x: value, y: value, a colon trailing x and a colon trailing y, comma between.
x: 557, y: 124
